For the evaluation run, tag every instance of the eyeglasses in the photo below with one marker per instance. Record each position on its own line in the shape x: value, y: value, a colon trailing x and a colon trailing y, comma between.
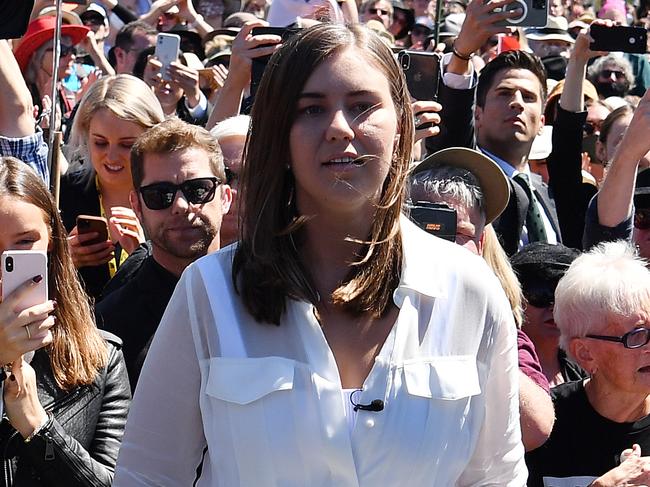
x: 607, y: 73
x: 642, y: 218
x: 378, y: 11
x: 159, y: 196
x: 636, y: 338
x: 540, y: 296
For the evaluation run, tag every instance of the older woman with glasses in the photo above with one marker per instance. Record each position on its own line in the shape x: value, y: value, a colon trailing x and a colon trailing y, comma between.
x: 601, y: 435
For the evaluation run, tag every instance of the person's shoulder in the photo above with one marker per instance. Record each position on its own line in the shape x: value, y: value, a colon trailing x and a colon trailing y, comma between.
x: 568, y: 391
x: 113, y: 341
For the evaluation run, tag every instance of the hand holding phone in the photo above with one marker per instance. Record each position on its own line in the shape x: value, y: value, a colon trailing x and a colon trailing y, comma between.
x: 618, y: 38
x: 24, y: 287
x: 89, y: 242
x: 167, y: 51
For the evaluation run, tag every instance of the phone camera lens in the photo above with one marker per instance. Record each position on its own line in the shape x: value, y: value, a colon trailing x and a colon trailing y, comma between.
x: 9, y: 264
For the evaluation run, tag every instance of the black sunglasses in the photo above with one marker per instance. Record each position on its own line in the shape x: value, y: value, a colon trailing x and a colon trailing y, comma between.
x: 636, y: 338
x: 540, y: 296
x: 642, y: 218
x: 378, y: 11
x: 65, y: 50
x: 159, y: 196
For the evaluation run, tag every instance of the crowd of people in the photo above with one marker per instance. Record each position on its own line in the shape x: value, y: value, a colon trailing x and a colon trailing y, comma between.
x: 298, y: 273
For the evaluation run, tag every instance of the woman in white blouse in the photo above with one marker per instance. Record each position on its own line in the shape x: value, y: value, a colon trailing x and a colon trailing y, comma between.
x: 330, y: 290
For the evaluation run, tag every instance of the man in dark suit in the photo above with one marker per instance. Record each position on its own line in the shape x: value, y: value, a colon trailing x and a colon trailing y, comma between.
x: 501, y: 116
x: 180, y: 197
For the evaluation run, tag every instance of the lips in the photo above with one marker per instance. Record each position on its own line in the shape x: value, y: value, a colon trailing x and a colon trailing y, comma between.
x: 113, y: 168
x: 343, y: 161
x: 644, y: 370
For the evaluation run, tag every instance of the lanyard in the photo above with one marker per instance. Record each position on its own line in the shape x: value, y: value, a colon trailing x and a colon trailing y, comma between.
x: 120, y: 254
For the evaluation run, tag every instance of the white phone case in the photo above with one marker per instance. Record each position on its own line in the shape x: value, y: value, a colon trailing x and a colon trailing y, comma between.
x: 167, y: 50
x: 19, y: 266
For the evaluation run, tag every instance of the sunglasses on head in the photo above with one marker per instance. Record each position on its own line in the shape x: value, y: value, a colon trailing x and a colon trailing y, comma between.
x: 642, y: 218
x: 159, y: 196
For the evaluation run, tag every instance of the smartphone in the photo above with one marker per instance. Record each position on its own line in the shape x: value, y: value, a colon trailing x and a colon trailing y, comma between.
x: 619, y: 38
x: 14, y: 18
x: 19, y: 266
x: 436, y: 218
x: 422, y: 71
x: 167, y: 50
x: 534, y: 13
x: 259, y: 63
x: 89, y: 224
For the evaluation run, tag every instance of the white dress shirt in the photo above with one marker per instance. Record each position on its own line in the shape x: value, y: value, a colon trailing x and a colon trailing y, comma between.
x: 266, y: 401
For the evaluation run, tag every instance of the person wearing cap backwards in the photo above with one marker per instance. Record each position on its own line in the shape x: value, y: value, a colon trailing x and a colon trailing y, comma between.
x: 474, y: 186
x: 601, y: 436
x: 34, y: 55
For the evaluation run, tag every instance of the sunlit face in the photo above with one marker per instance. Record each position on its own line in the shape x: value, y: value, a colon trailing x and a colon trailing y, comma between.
x: 345, y: 112
x: 513, y: 109
x: 184, y: 230
x: 381, y: 11
x: 109, y: 143
x: 66, y: 61
x: 24, y: 226
x: 619, y: 369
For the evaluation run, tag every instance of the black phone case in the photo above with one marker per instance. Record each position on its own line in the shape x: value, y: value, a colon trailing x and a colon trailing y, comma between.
x: 422, y: 71
x: 619, y: 38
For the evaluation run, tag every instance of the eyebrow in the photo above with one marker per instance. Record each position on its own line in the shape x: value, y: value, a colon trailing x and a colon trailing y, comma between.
x: 315, y: 95
x: 121, y: 138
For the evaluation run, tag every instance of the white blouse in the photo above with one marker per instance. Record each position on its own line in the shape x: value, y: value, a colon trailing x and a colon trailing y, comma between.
x: 261, y: 405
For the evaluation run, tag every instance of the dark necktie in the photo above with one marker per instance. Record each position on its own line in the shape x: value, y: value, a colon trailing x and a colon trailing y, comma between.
x: 534, y: 220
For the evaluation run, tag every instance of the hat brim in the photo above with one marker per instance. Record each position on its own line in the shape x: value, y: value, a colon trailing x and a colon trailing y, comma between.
x: 493, y: 181
x: 550, y: 37
x: 29, y: 44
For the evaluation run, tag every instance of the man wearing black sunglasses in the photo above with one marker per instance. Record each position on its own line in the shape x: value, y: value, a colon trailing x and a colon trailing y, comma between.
x: 180, y: 196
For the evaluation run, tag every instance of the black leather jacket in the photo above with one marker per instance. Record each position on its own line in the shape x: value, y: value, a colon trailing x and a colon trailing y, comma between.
x: 79, y: 444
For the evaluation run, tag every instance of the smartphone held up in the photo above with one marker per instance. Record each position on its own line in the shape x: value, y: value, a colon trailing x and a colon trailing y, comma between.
x: 20, y: 266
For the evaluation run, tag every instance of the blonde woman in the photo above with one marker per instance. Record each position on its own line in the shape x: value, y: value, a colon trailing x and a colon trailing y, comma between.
x: 66, y: 391
x: 114, y: 112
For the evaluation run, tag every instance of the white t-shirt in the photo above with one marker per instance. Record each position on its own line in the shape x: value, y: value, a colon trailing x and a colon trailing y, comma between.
x: 266, y: 401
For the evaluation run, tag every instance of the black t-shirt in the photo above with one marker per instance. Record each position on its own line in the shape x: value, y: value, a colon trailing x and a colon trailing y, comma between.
x: 583, y: 445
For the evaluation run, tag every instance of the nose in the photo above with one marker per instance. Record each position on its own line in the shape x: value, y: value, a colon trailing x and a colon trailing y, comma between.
x: 114, y: 153
x: 517, y: 100
x: 180, y: 205
x: 340, y: 127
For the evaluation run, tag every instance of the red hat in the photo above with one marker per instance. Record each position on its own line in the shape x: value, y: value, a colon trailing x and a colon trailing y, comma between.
x: 41, y: 30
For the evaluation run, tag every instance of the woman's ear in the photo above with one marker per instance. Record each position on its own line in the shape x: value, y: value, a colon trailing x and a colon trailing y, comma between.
x: 580, y: 350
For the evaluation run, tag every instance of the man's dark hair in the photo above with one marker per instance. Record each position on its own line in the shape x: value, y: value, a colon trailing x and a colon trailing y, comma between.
x: 510, y: 60
x: 124, y: 38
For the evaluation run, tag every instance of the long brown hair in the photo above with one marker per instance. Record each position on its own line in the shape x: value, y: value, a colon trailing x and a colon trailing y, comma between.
x: 78, y: 351
x: 267, y: 268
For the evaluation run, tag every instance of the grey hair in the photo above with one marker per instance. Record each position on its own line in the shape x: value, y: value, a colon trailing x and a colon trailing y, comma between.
x: 608, y: 282
x: 35, y: 61
x: 600, y: 63
x: 231, y: 127
x: 443, y: 182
